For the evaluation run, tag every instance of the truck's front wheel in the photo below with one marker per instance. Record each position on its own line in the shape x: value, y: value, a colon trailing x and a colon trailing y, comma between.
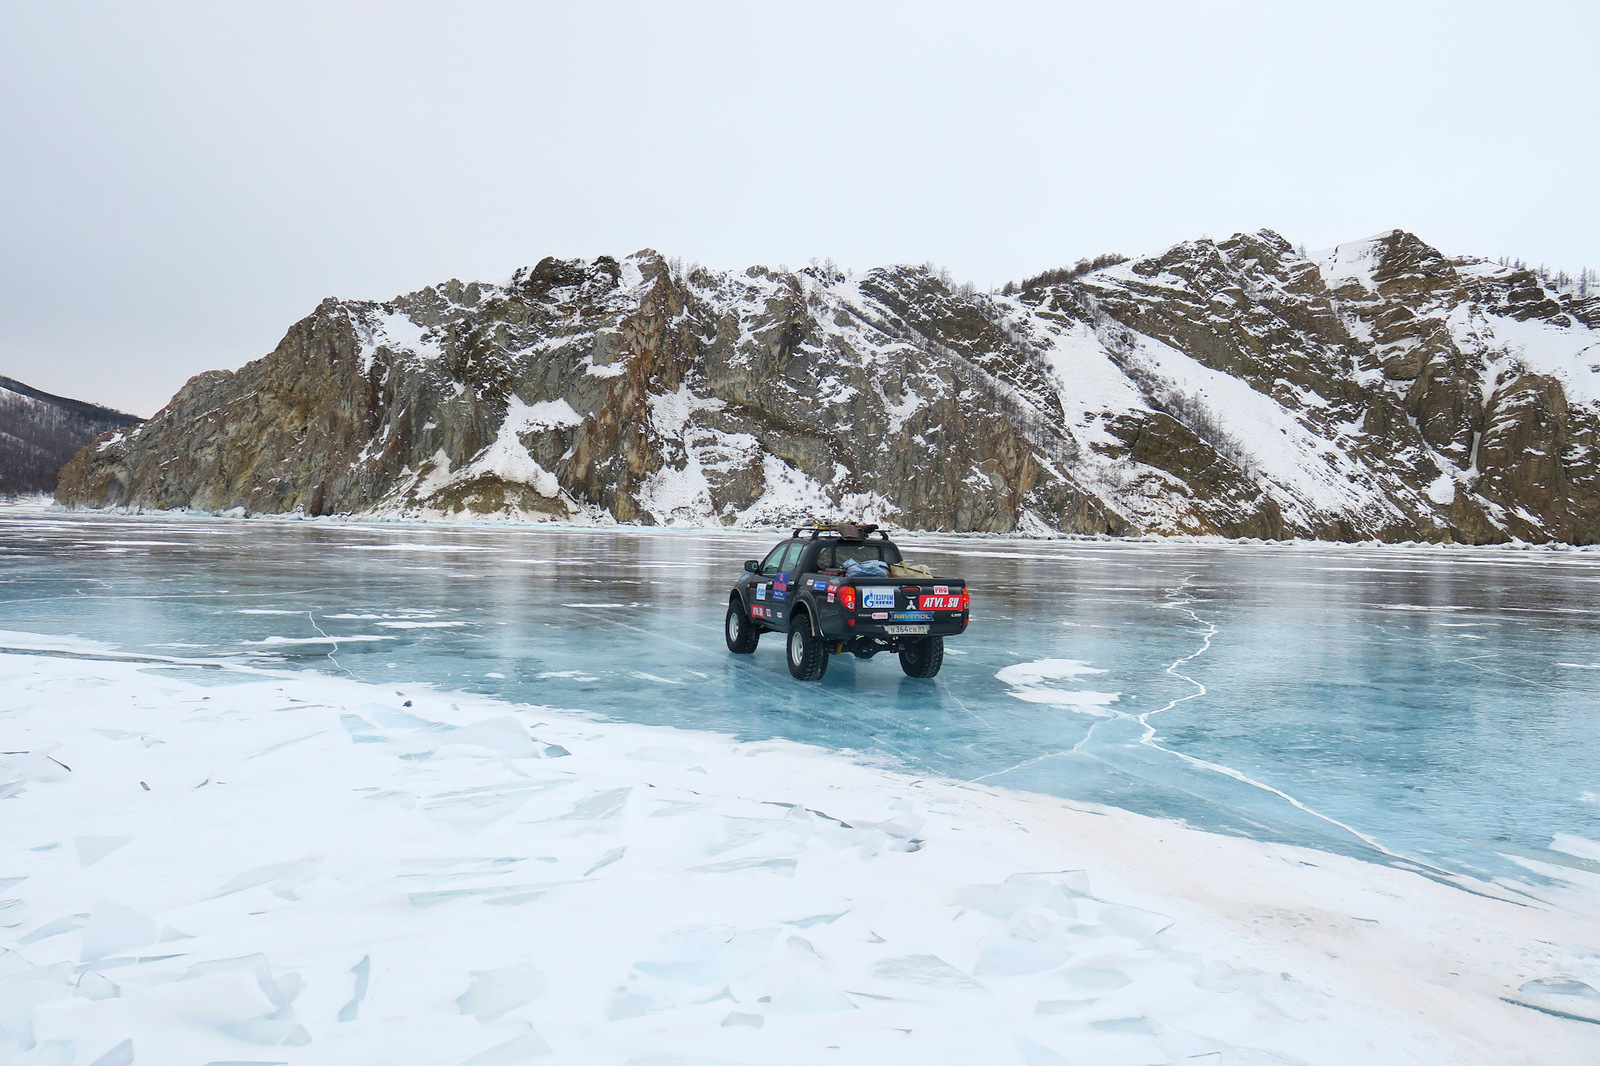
x: 808, y: 655
x: 742, y: 633
x: 922, y: 658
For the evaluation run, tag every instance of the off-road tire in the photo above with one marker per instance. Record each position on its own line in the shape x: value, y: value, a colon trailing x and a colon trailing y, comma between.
x: 741, y: 633
x: 807, y: 654
x: 923, y: 657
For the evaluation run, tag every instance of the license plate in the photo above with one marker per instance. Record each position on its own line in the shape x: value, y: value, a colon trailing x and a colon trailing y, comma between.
x: 904, y: 631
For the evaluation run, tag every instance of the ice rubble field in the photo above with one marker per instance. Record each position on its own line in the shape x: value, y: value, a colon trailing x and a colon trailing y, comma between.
x: 307, y: 869
x: 303, y: 793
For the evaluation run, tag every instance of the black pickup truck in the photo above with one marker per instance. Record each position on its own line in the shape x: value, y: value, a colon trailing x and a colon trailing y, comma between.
x: 810, y: 588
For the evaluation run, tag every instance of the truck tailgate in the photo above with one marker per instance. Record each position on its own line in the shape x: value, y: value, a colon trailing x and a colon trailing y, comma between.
x: 901, y: 594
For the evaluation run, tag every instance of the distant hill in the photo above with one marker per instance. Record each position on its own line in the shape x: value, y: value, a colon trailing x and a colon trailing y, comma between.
x: 40, y: 432
x: 1243, y: 387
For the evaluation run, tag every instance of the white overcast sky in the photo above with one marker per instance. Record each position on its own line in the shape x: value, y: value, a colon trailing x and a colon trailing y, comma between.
x: 181, y: 182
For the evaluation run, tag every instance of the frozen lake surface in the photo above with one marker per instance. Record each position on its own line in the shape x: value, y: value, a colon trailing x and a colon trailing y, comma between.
x: 1431, y: 708
x: 310, y: 793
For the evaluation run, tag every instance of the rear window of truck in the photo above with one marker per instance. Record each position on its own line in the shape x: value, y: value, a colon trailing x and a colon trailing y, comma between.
x: 834, y: 556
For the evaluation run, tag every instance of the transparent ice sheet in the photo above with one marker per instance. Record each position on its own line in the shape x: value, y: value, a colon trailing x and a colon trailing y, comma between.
x: 1423, y: 705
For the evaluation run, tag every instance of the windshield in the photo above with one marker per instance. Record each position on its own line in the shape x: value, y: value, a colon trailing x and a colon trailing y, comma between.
x: 784, y: 557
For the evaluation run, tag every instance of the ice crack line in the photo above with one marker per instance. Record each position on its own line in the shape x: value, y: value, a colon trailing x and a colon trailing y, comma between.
x: 1178, y: 600
x: 1468, y: 661
x: 1143, y: 719
x: 1149, y: 739
x: 959, y: 703
x: 1210, y: 631
x: 331, y: 650
x: 1148, y: 736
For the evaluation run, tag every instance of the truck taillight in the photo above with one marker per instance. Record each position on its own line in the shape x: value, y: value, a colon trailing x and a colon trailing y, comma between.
x: 847, y: 598
x: 966, y: 600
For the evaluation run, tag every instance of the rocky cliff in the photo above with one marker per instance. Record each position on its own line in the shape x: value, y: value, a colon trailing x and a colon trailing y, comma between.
x: 1377, y: 390
x: 39, y: 432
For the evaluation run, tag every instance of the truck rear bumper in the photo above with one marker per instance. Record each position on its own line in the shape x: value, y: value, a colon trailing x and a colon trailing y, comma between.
x: 894, y: 629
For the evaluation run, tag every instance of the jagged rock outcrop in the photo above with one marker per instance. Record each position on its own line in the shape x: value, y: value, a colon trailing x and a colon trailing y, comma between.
x: 40, y: 431
x: 1378, y: 390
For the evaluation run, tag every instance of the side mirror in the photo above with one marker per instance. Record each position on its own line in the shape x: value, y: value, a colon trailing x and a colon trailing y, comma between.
x: 752, y: 566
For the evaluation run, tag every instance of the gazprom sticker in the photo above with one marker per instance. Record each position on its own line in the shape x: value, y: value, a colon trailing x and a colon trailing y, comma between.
x: 761, y: 592
x: 877, y: 597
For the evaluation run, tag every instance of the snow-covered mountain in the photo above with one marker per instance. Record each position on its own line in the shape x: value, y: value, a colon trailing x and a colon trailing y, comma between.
x: 39, y: 432
x: 1379, y: 389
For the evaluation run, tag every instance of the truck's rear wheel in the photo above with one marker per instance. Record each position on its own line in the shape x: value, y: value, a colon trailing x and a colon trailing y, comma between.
x: 741, y: 633
x: 808, y: 655
x: 922, y: 658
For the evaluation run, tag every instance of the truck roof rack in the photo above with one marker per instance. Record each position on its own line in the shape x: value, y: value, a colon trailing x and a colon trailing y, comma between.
x: 851, y: 531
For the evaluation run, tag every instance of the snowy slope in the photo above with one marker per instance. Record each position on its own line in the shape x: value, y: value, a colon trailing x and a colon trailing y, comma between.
x: 40, y: 432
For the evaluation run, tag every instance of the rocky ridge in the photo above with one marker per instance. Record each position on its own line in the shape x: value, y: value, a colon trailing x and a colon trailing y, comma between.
x: 1239, y: 387
x: 40, y: 431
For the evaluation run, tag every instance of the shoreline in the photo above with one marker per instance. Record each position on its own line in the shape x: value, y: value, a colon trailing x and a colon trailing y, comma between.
x: 521, y: 879
x: 46, y: 505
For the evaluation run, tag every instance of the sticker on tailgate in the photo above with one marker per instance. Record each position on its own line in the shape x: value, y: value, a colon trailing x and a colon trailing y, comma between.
x: 940, y: 603
x: 875, y: 598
